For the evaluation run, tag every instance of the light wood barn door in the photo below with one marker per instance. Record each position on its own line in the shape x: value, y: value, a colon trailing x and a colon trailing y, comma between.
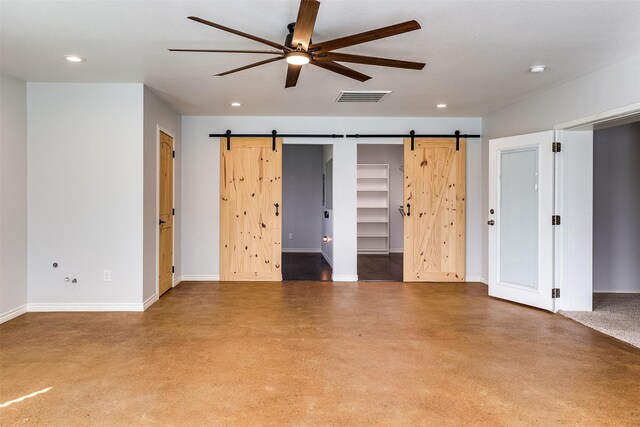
x: 165, y: 262
x: 250, y: 209
x: 434, y: 222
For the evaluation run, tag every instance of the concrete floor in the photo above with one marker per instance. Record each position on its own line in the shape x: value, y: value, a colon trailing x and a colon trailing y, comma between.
x: 343, y: 354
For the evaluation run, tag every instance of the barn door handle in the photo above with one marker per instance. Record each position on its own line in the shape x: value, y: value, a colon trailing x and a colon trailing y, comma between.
x: 277, y: 206
x: 408, y: 209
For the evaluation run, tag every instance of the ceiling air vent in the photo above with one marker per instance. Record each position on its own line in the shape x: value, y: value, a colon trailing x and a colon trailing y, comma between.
x: 362, y: 95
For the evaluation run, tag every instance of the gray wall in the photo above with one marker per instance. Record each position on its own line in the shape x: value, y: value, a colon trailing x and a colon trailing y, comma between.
x: 302, y: 197
x: 13, y: 197
x: 616, y: 209
x: 393, y: 155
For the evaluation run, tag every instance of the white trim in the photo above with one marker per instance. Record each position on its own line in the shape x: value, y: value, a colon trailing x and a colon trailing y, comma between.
x: 327, y: 259
x: 13, y: 313
x: 176, y: 281
x: 476, y: 279
x: 149, y: 301
x: 344, y: 277
x: 396, y: 250
x: 605, y: 116
x: 200, y: 278
x: 301, y: 250
x: 45, y: 307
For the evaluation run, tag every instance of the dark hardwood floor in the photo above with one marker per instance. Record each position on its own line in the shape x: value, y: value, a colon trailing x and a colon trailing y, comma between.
x: 305, y: 266
x: 313, y: 266
x: 380, y: 267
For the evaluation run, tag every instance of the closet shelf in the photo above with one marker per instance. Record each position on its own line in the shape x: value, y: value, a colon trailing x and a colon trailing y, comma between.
x: 373, y: 208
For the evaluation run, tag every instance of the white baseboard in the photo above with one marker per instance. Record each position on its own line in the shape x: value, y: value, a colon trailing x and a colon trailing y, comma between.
x: 632, y: 291
x: 396, y: 250
x: 344, y: 277
x: 176, y: 281
x: 46, y: 307
x: 301, y: 250
x: 13, y: 313
x: 327, y: 259
x: 476, y: 279
x: 200, y: 278
x: 149, y: 301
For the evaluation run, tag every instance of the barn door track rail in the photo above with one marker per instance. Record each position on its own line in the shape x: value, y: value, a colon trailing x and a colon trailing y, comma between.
x: 274, y: 134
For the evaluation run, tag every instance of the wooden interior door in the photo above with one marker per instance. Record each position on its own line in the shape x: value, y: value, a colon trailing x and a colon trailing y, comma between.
x: 165, y: 262
x: 434, y: 221
x: 250, y: 208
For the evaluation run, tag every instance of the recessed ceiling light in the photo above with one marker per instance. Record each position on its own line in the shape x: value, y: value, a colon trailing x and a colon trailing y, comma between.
x: 537, y: 69
x: 441, y: 106
x: 74, y: 58
x: 235, y: 104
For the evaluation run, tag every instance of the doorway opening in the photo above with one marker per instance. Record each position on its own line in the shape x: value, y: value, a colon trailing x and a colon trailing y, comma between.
x: 306, y: 212
x: 380, y: 212
x: 616, y: 235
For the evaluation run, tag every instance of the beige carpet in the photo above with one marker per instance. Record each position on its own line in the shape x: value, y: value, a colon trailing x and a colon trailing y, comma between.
x: 617, y: 315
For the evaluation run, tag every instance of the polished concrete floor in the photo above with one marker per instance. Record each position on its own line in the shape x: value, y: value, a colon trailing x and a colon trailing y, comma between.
x: 330, y: 354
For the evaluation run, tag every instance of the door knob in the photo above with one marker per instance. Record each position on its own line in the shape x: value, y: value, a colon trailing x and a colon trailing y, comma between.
x: 491, y: 222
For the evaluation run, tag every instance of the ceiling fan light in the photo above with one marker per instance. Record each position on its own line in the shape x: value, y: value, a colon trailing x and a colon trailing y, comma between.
x: 298, y: 58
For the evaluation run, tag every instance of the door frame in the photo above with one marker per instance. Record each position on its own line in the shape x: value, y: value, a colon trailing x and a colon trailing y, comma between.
x: 577, y: 290
x: 157, y: 213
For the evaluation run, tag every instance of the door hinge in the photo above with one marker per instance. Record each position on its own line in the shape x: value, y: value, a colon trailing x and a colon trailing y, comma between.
x: 555, y: 219
x: 555, y: 293
x: 173, y: 211
x: 173, y: 154
x: 173, y: 268
x: 556, y: 147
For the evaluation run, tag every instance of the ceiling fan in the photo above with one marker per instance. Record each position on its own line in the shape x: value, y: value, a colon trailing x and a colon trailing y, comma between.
x: 298, y: 49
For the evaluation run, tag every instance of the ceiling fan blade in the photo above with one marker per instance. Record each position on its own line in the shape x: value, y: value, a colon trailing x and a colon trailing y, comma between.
x: 268, y: 52
x: 341, y: 69
x: 304, y: 24
x: 255, y: 64
x: 369, y: 60
x: 293, y: 72
x: 367, y: 36
x: 239, y: 33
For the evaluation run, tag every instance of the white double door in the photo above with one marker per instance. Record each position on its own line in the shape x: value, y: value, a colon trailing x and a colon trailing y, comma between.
x: 521, y: 206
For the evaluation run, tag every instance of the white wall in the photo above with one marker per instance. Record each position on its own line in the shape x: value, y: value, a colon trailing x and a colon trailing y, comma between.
x: 13, y: 197
x: 201, y: 182
x: 85, y: 195
x: 616, y: 209
x: 393, y: 155
x: 301, y: 198
x: 158, y: 115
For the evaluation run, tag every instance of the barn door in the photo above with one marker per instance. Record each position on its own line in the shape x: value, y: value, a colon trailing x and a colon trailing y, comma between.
x: 434, y: 221
x: 250, y: 208
x: 165, y: 253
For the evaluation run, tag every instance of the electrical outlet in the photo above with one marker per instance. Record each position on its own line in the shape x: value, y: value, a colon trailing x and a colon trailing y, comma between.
x: 290, y: 236
x: 106, y: 276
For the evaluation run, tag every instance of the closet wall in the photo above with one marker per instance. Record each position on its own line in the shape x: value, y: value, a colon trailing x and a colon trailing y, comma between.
x: 393, y: 156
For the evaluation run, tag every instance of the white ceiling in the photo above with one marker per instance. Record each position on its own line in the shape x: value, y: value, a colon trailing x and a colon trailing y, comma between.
x: 477, y: 53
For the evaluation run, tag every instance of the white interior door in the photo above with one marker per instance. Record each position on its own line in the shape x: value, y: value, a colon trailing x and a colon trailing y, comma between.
x: 521, y: 202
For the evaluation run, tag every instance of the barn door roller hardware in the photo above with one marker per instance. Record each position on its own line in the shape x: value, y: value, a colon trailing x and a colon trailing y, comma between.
x: 271, y: 135
x: 413, y: 135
